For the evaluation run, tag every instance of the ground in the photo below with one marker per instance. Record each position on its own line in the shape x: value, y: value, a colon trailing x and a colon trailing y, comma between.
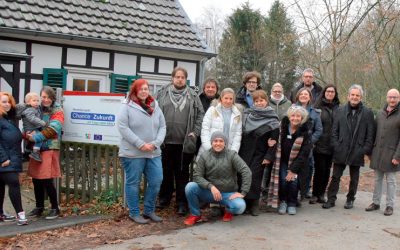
x: 119, y: 228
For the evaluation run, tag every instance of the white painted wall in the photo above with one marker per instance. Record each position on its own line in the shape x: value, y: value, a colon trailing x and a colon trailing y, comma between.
x: 165, y: 66
x: 4, y: 86
x: 45, y: 56
x: 36, y: 86
x: 21, y: 90
x: 191, y: 69
x: 18, y: 46
x: 76, y: 56
x: 125, y: 64
x: 100, y: 59
x: 147, y: 64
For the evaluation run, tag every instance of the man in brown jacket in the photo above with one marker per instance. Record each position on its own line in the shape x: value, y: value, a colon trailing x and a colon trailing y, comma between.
x: 386, y: 152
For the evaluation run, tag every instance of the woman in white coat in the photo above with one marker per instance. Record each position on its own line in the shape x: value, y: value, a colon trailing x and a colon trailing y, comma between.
x: 225, y: 116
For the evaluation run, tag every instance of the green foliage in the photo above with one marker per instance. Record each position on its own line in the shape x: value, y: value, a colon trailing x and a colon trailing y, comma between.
x: 105, y: 201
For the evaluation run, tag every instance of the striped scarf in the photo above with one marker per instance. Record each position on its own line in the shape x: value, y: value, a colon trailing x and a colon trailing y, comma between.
x: 273, y: 196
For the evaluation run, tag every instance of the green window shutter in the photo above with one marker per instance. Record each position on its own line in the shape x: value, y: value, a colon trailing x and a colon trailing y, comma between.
x: 55, y: 78
x: 121, y: 83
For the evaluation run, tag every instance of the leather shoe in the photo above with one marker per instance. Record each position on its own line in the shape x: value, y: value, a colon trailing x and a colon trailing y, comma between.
x: 372, y: 207
x: 313, y: 200
x: 388, y: 211
x: 162, y: 204
x: 181, y: 210
x: 349, y: 204
x: 328, y: 204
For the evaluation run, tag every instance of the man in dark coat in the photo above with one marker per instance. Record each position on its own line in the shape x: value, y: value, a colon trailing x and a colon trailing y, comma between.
x: 210, y: 92
x: 251, y: 82
x: 352, y: 138
x: 386, y: 152
x: 307, y: 82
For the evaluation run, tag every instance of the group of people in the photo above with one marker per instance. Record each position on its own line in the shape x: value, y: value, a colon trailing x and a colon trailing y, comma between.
x: 248, y: 146
x: 42, y: 125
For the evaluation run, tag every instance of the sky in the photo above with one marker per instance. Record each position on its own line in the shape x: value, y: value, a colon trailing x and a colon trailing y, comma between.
x: 194, y: 8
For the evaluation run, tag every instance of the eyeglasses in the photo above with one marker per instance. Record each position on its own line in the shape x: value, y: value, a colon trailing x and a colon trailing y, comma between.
x: 251, y: 82
x: 330, y: 91
x: 392, y: 97
x: 276, y: 91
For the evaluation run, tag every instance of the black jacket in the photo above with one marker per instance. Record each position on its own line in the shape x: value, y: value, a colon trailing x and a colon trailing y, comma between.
x: 10, y: 145
x: 241, y: 96
x: 205, y: 101
x: 328, y: 112
x: 349, y: 149
x: 316, y: 91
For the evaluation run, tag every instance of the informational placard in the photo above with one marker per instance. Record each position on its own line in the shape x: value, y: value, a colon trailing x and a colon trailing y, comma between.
x: 91, y: 117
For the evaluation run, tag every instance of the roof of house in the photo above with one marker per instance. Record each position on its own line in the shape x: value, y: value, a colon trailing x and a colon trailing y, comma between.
x: 156, y: 24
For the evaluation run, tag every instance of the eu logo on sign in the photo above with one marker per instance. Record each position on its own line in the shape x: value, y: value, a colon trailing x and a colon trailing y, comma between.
x: 97, y: 137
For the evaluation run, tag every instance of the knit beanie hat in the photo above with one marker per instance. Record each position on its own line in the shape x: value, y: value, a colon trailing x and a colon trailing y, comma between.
x: 219, y: 134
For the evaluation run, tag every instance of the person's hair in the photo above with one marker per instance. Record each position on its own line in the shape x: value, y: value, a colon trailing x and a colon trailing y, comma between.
x: 356, y: 86
x: 11, y: 101
x: 50, y: 92
x: 308, y: 70
x: 30, y: 95
x: 176, y: 69
x: 277, y: 85
x: 260, y: 94
x: 300, y: 110
x: 318, y: 102
x: 135, y: 87
x: 301, y: 90
x: 227, y: 91
x: 210, y: 80
x: 252, y: 74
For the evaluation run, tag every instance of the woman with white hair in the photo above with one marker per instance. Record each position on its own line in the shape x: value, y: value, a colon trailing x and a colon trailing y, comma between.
x: 293, y: 149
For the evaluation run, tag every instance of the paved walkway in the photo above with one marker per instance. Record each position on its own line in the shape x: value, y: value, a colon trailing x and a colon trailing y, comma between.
x: 312, y: 228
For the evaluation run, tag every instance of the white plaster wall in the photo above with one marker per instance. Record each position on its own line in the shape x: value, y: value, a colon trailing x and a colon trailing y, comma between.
x: 125, y: 64
x: 18, y: 46
x: 76, y: 56
x: 165, y: 66
x: 45, y: 56
x: 100, y: 59
x: 147, y: 64
x: 191, y: 69
x: 36, y: 85
x: 7, y: 67
x: 4, y: 86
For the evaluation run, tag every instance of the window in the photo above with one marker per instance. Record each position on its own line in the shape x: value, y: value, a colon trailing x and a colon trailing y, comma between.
x: 156, y: 81
x: 88, y: 80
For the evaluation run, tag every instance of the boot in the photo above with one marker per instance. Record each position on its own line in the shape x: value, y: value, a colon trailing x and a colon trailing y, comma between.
x: 255, y: 207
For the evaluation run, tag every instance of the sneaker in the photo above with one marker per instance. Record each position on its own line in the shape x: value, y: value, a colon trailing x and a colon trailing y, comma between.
x: 191, y: 220
x: 138, y: 219
x: 153, y: 217
x: 349, y: 204
x: 228, y: 216
x: 22, y: 219
x: 388, y: 211
x: 372, y: 207
x: 36, y: 156
x: 36, y: 212
x: 282, y: 208
x: 53, y: 214
x: 7, y: 218
x: 291, y: 210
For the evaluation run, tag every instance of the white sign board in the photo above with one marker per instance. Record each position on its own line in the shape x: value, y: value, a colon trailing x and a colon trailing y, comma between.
x: 91, y: 117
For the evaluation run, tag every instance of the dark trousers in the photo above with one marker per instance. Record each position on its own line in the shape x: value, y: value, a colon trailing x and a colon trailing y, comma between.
x: 322, y: 166
x: 10, y: 179
x: 175, y: 169
x: 42, y: 185
x: 335, y: 181
x: 287, y: 189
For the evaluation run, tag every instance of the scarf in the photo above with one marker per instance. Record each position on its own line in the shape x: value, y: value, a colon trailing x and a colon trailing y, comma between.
x: 147, y: 105
x: 257, y: 117
x: 277, y: 100
x: 178, y: 97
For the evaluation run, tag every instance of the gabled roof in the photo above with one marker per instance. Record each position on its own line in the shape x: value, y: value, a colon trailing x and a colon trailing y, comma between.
x: 155, y: 24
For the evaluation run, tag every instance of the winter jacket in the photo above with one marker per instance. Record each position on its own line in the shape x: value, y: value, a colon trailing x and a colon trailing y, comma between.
x: 206, y: 102
x: 214, y: 121
x: 241, y: 96
x: 387, y: 141
x: 10, y: 145
x: 221, y: 169
x: 138, y: 127
x: 30, y: 117
x: 328, y: 112
x: 316, y: 91
x: 194, y: 120
x: 349, y: 149
x: 280, y: 108
x: 316, y: 128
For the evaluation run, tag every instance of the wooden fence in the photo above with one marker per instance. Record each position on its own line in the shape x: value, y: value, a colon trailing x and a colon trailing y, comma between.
x: 90, y: 169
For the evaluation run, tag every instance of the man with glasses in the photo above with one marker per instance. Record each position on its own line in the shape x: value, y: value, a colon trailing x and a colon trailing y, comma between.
x: 386, y: 152
x: 307, y: 82
x: 278, y: 100
x: 251, y: 82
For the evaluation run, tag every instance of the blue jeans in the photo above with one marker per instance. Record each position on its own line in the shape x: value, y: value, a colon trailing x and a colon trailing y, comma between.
x: 196, y: 195
x: 152, y: 170
x: 287, y: 189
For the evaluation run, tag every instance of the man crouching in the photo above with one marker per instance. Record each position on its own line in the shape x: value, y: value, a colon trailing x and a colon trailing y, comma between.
x: 215, y: 181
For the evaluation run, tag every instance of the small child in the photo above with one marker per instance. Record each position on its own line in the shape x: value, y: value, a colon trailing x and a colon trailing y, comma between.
x: 31, y: 122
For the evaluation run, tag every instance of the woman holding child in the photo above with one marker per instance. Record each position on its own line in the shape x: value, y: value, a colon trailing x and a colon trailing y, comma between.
x: 44, y: 172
